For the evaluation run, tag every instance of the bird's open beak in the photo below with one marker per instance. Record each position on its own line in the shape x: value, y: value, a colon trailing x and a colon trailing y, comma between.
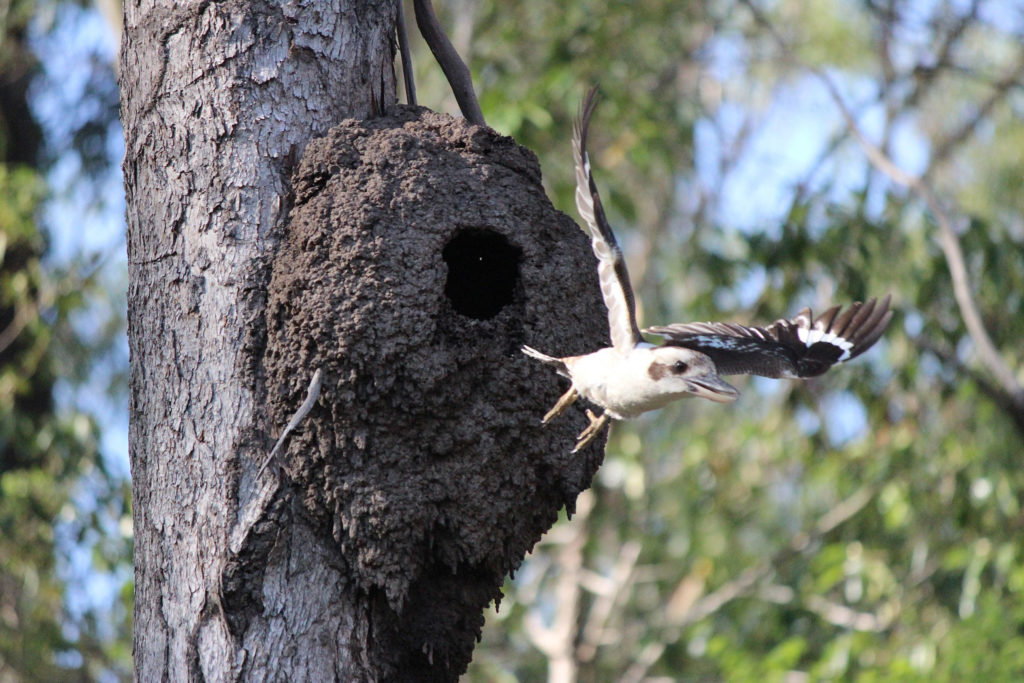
x: 713, y: 388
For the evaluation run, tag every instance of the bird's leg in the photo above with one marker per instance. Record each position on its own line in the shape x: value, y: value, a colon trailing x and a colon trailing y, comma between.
x: 591, y: 432
x: 568, y: 398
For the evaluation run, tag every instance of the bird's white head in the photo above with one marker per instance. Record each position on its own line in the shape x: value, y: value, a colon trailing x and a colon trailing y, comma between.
x: 679, y: 370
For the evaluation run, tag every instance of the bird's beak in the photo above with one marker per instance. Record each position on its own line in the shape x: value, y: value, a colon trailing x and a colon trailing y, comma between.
x: 713, y: 388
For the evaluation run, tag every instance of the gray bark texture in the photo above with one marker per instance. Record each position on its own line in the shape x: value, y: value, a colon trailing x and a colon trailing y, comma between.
x: 405, y: 254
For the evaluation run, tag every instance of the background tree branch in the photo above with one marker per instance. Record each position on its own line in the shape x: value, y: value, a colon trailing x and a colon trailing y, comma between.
x: 988, y: 354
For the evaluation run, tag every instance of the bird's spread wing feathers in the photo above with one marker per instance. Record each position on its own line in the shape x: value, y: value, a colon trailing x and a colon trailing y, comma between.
x: 803, y: 346
x: 611, y: 267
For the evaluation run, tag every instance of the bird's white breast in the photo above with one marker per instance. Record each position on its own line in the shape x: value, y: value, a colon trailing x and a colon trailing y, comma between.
x: 620, y: 383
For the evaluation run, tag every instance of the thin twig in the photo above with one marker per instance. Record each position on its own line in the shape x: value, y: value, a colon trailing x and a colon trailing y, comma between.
x: 835, y: 613
x: 455, y: 70
x: 312, y: 393
x: 926, y: 77
x: 593, y: 631
x: 637, y: 671
x: 948, y: 240
x: 1000, y: 88
x: 22, y: 314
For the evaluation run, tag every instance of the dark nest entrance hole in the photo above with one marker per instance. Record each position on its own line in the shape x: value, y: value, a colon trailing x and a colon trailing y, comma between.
x: 483, y: 271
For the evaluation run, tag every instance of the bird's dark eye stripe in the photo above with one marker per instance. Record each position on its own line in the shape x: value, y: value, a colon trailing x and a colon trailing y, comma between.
x: 680, y: 366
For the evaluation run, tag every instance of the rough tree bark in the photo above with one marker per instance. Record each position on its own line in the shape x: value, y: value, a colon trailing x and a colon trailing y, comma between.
x: 218, y: 99
x: 421, y: 476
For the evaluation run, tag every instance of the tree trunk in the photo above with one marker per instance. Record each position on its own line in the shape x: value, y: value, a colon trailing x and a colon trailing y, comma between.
x: 218, y: 100
x: 407, y: 260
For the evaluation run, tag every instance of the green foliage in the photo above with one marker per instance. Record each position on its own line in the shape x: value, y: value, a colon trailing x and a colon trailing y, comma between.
x: 57, y: 500
x: 24, y: 338
x: 48, y: 458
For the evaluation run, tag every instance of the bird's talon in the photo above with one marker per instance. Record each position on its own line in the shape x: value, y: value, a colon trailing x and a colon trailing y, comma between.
x: 583, y: 442
x: 588, y: 435
x: 567, y: 399
x: 592, y: 430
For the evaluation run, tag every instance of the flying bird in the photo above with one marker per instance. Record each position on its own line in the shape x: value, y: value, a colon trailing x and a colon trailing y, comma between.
x: 633, y: 376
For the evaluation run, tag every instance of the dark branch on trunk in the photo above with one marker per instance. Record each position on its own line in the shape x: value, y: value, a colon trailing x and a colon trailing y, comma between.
x: 455, y: 70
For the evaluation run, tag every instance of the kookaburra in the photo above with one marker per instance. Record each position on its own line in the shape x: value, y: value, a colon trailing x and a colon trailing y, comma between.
x: 633, y: 376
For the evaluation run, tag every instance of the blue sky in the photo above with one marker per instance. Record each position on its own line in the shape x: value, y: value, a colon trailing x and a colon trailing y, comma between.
x: 85, y: 219
x: 85, y: 214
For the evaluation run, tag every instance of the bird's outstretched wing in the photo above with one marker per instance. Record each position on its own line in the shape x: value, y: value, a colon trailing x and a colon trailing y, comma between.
x: 611, y: 268
x: 803, y: 346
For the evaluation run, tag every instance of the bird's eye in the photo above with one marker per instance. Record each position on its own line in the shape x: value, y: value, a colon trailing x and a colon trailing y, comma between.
x: 680, y: 366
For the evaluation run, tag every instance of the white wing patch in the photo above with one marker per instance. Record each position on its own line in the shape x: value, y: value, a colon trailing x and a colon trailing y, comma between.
x: 803, y: 346
x: 813, y: 336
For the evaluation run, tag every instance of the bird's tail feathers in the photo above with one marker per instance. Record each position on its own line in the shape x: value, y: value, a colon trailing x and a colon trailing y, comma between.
x: 557, y: 363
